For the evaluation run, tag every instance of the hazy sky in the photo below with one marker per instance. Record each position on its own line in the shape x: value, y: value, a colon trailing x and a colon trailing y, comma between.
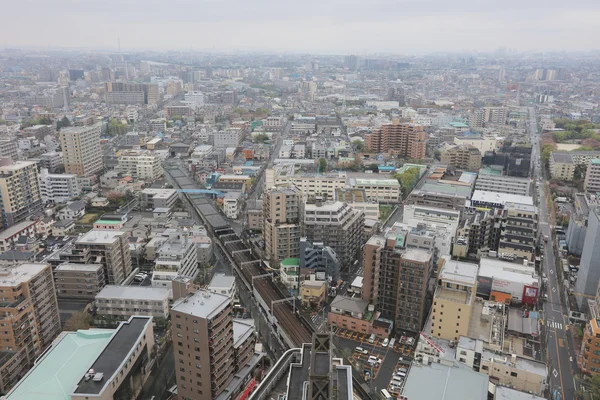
x: 333, y: 26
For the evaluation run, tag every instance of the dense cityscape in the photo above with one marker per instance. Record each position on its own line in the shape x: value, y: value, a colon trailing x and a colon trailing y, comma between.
x: 202, y: 225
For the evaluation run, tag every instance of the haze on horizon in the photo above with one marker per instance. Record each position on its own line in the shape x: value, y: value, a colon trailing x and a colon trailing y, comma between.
x: 331, y: 26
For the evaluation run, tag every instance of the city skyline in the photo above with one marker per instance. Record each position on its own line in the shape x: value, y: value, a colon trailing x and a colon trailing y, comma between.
x: 406, y: 27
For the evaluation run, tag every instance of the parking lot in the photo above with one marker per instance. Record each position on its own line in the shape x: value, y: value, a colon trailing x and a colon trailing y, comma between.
x: 392, y: 358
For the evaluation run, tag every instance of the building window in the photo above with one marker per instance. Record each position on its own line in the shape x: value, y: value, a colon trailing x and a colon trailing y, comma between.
x: 513, y: 374
x: 484, y: 367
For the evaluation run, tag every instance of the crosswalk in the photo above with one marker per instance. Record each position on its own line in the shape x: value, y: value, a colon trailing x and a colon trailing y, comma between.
x: 318, y: 321
x: 554, y: 325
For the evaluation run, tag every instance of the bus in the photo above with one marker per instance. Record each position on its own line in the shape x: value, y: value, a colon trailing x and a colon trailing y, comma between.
x: 385, y: 394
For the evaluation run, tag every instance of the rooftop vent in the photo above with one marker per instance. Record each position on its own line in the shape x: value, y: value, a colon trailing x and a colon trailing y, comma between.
x: 98, y: 377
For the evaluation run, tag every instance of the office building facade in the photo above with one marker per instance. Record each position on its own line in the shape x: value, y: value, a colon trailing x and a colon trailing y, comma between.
x: 58, y: 188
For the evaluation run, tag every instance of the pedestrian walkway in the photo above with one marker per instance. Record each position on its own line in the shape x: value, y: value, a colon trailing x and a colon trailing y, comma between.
x: 554, y: 325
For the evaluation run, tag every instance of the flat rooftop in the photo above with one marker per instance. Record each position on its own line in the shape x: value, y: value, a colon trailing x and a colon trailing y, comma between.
x: 505, y: 393
x: 242, y: 330
x: 459, y: 272
x: 148, y: 293
x: 418, y: 255
x: 456, y: 382
x: 79, y: 267
x: 484, y: 196
x: 203, y: 304
x: 16, y: 275
x: 114, y: 354
x: 299, y: 373
x: 97, y: 236
x: 222, y: 281
x: 58, y: 371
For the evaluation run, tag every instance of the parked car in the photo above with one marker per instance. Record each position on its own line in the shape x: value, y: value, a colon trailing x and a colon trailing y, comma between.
x: 385, y: 343
x: 360, y: 350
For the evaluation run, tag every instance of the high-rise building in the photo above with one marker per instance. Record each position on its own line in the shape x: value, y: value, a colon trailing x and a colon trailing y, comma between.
x: 282, y: 213
x: 20, y: 195
x: 351, y: 62
x: 589, y: 269
x: 131, y: 93
x: 407, y: 140
x: 82, y: 154
x: 486, y: 115
x: 395, y: 281
x: 453, y: 299
x: 203, y: 340
x: 8, y: 149
x: 30, y: 320
x: 336, y: 225
x: 590, y: 347
x: 105, y: 247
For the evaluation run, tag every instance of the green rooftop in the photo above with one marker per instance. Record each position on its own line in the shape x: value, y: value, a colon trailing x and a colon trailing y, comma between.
x: 290, y: 261
x: 55, y: 375
x: 490, y: 171
x: 596, y: 161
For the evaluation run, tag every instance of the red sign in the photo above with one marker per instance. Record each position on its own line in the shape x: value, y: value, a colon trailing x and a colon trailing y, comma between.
x: 249, y: 387
x: 530, y: 294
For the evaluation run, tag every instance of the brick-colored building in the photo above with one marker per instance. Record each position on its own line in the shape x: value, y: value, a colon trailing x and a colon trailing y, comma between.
x: 407, y: 140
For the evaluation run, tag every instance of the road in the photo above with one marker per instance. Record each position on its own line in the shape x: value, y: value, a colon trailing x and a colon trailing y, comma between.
x: 560, y: 355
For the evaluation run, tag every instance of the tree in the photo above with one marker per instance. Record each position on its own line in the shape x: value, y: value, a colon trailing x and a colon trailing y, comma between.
x: 437, y: 155
x: 62, y: 123
x: 358, y: 145
x: 322, y: 165
x: 115, y: 127
x: 408, y: 179
x: 547, y: 150
x: 115, y: 198
x: 579, y: 172
x: 373, y: 167
x: 78, y: 320
x: 261, y: 137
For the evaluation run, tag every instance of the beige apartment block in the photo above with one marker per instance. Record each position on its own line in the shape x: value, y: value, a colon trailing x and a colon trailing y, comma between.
x: 20, y: 194
x: 79, y: 281
x: 82, y: 153
x: 453, y: 299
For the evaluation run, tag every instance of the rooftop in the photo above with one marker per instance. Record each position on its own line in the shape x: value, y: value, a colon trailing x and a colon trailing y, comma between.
x: 222, y: 281
x: 59, y: 369
x: 505, y: 393
x: 457, y: 382
x: 242, y: 330
x: 13, y: 276
x: 417, y: 255
x: 79, y: 267
x: 96, y: 236
x: 500, y: 198
x: 121, y: 344
x: 351, y: 304
x: 133, y: 293
x: 203, y: 304
x: 290, y: 261
x: 459, y: 272
x: 15, y: 229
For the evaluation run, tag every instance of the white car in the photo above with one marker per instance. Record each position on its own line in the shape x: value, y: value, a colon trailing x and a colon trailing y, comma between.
x: 385, y: 343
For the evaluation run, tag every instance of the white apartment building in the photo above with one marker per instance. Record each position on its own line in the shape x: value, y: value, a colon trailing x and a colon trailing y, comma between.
x: 82, y: 153
x: 231, y: 204
x: 437, y: 219
x: 127, y: 301
x: 380, y: 190
x: 273, y: 123
x: 177, y: 256
x: 195, y: 98
x: 285, y: 152
x: 503, y: 184
x: 228, y: 138
x: 142, y: 164
x: 58, y: 188
x: 310, y: 184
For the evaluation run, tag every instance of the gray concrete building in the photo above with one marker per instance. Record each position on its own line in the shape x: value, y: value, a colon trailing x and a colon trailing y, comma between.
x: 589, y: 269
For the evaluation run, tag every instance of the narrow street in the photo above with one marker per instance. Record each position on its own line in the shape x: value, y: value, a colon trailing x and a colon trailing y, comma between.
x: 560, y: 356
